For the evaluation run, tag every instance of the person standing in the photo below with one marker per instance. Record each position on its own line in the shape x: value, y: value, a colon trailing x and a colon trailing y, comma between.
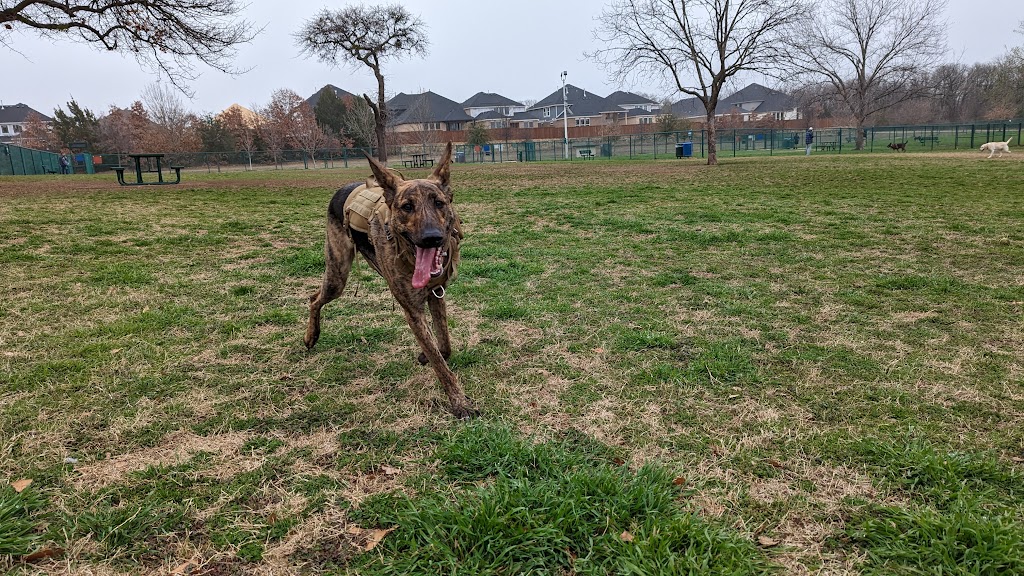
x: 809, y: 139
x: 65, y: 164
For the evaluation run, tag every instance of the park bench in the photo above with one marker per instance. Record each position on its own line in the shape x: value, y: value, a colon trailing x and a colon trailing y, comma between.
x: 827, y: 146
x: 586, y: 154
x: 923, y: 139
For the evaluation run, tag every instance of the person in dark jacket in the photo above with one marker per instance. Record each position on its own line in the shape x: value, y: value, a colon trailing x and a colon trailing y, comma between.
x: 809, y: 139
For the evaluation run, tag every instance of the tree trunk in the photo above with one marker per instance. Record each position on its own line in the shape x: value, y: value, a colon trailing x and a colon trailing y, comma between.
x: 860, y: 134
x: 712, y: 140
x: 380, y: 115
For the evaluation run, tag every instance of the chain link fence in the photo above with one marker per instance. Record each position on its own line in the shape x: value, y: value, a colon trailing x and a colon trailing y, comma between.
x: 686, y: 144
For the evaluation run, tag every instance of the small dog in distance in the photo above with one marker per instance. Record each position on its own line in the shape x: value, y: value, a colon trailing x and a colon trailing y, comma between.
x: 898, y: 146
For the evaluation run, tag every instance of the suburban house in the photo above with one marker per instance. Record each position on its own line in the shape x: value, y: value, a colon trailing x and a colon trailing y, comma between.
x: 340, y: 93
x: 757, y: 102
x: 13, y: 118
x: 492, y: 119
x: 527, y: 119
x: 630, y: 101
x: 482, y: 102
x: 639, y: 109
x: 426, y: 112
x: 585, y: 108
x: 752, y: 103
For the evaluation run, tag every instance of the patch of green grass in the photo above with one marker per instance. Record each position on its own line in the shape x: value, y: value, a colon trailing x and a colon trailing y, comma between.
x: 549, y: 507
x: 964, y: 540
x: 18, y: 535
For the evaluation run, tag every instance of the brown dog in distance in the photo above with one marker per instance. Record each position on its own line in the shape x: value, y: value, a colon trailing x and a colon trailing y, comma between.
x: 897, y: 146
x: 414, y: 245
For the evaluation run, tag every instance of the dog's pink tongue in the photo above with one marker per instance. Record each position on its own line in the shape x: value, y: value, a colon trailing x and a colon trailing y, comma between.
x: 424, y: 262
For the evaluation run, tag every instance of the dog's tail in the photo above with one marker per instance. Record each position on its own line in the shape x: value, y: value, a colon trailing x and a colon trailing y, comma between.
x: 1008, y: 141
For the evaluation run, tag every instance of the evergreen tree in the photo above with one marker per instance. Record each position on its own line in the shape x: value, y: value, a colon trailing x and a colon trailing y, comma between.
x: 477, y: 135
x: 330, y: 112
x: 76, y: 125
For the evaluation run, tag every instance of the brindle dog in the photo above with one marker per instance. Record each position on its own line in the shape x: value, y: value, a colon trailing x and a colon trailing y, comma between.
x: 415, y: 247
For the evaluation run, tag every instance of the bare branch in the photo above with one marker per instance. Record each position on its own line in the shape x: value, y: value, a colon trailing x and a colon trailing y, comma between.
x: 874, y: 54
x: 694, y: 46
x: 167, y: 36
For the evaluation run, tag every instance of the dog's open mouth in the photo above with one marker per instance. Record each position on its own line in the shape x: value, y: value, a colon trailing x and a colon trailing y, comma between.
x: 429, y: 264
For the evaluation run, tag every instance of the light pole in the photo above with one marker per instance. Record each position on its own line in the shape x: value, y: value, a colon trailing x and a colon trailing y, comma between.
x: 565, y: 115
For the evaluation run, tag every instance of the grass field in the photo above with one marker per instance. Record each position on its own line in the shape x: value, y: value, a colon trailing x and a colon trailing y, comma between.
x: 786, y: 365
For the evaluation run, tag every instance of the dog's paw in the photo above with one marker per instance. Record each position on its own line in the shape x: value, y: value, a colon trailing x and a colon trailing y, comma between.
x: 465, y: 410
x: 422, y: 359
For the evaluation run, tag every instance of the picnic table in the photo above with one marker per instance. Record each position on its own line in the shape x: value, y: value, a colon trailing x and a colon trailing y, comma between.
x: 827, y: 145
x: 153, y: 164
x: 923, y: 139
x: 418, y: 161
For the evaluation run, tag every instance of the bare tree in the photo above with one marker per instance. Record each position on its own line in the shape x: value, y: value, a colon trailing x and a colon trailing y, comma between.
x: 360, y: 123
x: 871, y: 53
x: 370, y: 36
x: 242, y: 127
x: 37, y: 134
x: 173, y: 124
x: 274, y: 121
x: 306, y: 132
x: 164, y: 35
x: 123, y: 131
x: 695, y: 46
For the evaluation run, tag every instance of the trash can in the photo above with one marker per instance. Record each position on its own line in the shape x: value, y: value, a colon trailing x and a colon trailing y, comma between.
x: 684, y: 149
x: 460, y: 156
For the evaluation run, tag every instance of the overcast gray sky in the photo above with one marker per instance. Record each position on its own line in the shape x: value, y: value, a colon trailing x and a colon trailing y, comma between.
x: 517, y: 49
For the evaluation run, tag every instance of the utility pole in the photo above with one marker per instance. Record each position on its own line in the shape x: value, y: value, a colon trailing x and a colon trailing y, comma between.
x: 565, y: 115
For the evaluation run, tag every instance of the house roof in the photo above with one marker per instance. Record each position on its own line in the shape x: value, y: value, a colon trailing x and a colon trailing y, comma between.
x: 767, y: 100
x: 622, y: 98
x: 528, y: 115
x: 247, y: 115
x: 581, y: 102
x: 491, y: 115
x: 400, y: 102
x: 689, y: 108
x: 16, y: 113
x: 315, y: 98
x: 430, y: 107
x: 485, y: 99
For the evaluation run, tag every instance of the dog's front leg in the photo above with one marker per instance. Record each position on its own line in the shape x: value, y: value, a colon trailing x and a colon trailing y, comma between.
x: 461, y: 405
x: 439, y: 320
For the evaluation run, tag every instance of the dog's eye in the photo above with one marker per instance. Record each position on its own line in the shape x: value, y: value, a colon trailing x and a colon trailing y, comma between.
x: 408, y: 207
x: 439, y: 203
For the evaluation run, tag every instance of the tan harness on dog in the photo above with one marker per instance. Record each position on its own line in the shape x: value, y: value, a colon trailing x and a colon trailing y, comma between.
x: 365, y: 203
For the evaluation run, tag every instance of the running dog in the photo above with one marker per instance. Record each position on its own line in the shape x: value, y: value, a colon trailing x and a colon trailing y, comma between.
x: 994, y: 147
x: 897, y: 146
x: 408, y: 231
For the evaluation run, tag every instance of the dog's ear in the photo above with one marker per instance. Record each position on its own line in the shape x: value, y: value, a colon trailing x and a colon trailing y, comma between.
x: 388, y: 179
x: 442, y: 172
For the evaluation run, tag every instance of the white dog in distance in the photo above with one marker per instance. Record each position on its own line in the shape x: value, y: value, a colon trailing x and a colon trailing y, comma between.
x: 994, y: 147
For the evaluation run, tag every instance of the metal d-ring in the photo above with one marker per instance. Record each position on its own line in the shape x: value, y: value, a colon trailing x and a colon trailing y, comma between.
x: 436, y: 295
